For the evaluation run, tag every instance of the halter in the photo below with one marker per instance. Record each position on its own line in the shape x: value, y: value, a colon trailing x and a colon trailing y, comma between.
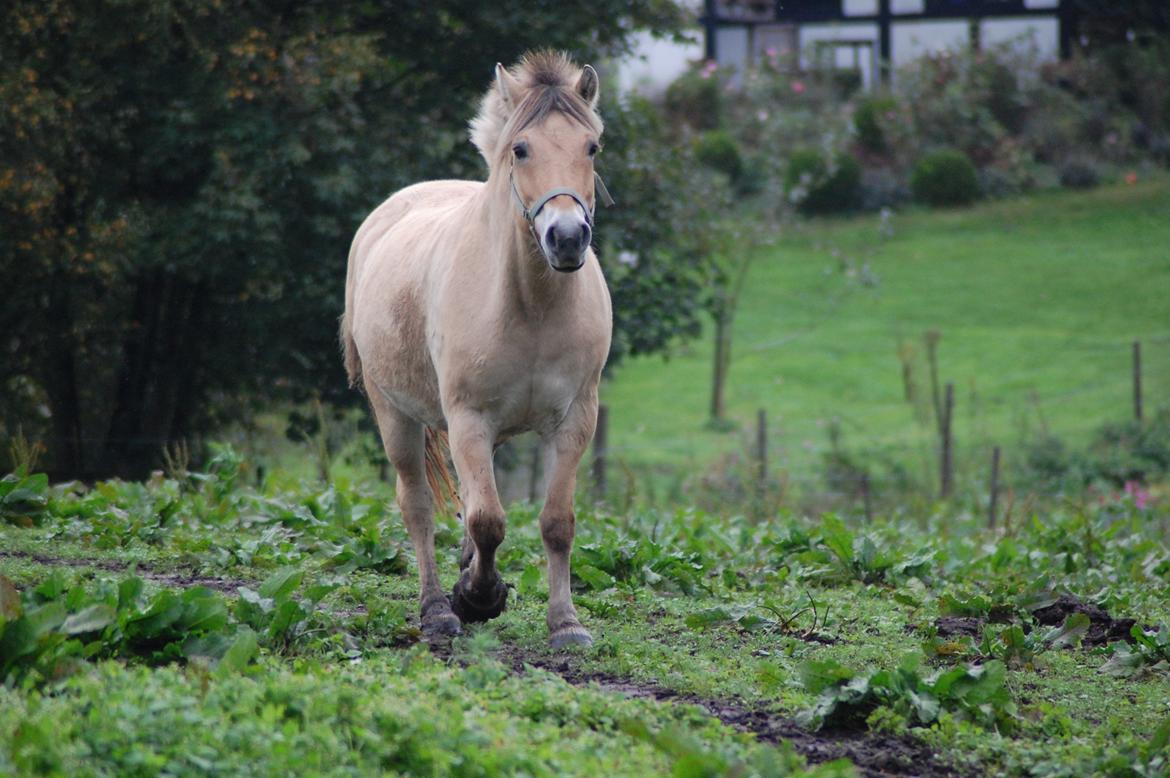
x: 530, y: 213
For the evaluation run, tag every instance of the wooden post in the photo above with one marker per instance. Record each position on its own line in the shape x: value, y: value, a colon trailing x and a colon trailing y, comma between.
x: 600, y: 450
x: 762, y: 451
x: 947, y: 463
x: 1137, y: 380
x: 866, y: 499
x: 993, y: 500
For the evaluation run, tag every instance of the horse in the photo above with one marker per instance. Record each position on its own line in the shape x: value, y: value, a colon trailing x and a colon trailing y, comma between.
x: 479, y: 310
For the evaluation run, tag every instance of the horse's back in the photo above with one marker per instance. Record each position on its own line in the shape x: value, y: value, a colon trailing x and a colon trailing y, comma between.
x: 383, y: 329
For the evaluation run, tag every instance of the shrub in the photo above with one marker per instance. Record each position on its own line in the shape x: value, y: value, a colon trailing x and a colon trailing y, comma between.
x: 945, y: 177
x: 694, y: 99
x: 718, y: 150
x: 1079, y: 173
x: 817, y: 187
x: 869, y: 119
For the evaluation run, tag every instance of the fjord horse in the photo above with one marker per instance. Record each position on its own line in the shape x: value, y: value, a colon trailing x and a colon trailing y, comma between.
x: 479, y: 309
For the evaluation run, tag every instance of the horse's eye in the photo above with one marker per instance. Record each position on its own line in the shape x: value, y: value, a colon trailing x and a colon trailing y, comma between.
x: 520, y: 150
x: 593, y: 149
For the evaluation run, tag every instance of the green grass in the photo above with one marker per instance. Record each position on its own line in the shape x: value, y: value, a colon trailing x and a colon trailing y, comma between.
x: 1037, y: 301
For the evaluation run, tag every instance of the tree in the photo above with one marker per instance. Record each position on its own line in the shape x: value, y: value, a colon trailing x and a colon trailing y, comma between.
x: 179, y: 183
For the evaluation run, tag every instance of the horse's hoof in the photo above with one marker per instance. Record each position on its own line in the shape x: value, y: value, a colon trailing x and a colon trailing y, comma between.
x: 569, y: 635
x: 472, y: 608
x: 438, y: 620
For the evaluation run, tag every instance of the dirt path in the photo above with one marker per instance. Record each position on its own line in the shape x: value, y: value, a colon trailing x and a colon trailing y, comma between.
x: 177, y: 579
x: 874, y: 754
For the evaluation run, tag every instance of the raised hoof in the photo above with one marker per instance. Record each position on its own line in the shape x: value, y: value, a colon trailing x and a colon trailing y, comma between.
x: 471, y: 608
x: 438, y: 620
x: 569, y: 635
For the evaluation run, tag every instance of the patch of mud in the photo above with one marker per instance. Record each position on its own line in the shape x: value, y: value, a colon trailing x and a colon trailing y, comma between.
x: 1103, y: 628
x: 874, y: 754
x: 177, y: 579
x: 959, y: 626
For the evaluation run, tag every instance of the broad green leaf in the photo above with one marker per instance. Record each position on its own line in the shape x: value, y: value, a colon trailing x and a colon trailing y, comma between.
x: 92, y: 619
x: 282, y: 583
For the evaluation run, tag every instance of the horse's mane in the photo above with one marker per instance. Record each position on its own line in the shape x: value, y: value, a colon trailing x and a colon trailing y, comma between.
x: 548, y: 80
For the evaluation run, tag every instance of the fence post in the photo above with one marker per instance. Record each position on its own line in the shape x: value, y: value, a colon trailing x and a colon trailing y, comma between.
x: 993, y: 501
x: 600, y: 451
x: 866, y: 499
x: 1137, y: 380
x: 947, y: 464
x: 762, y: 451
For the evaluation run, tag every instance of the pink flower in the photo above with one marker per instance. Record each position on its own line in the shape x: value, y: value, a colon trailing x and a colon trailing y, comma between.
x: 1131, y: 178
x: 798, y: 87
x: 771, y: 52
x: 1135, y: 492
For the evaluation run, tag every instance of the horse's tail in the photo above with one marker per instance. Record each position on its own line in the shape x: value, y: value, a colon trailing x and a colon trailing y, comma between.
x: 438, y: 474
x: 353, y: 362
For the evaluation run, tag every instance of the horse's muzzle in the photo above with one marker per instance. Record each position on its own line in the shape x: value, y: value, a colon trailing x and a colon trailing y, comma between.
x: 565, y: 245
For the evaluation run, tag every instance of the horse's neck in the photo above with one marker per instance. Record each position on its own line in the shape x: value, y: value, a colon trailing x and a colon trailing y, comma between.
x: 522, y: 277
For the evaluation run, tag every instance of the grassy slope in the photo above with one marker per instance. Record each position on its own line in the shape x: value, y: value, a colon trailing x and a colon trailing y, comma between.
x: 1042, y: 294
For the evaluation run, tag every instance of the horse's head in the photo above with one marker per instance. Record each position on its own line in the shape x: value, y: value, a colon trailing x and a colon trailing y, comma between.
x: 539, y: 127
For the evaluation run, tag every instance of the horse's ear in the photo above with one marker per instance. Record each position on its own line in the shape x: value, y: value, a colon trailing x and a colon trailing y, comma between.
x: 587, y: 85
x: 508, y: 86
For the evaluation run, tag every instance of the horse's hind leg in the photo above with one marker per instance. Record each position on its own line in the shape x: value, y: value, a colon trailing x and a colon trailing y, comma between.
x: 480, y: 594
x: 558, y: 522
x: 404, y: 440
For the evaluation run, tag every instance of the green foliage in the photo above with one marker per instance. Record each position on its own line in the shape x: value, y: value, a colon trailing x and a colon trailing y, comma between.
x: 1118, y: 454
x: 1079, y: 173
x: 659, y: 245
x: 718, y: 150
x: 943, y: 178
x: 976, y: 693
x: 695, y: 99
x: 1149, y: 653
x: 180, y: 183
x: 869, y: 118
x: 820, y: 186
x: 23, y: 499
x: 47, y: 631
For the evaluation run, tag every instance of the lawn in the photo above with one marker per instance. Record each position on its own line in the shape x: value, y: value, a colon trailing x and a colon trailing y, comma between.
x: 193, y: 625
x: 1037, y: 301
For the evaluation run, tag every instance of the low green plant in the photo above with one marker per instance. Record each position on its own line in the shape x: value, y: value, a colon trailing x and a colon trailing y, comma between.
x: 945, y: 177
x: 869, y: 120
x: 24, y: 499
x: 976, y: 693
x: 718, y: 150
x: 47, y: 631
x: 1149, y: 653
x: 817, y: 185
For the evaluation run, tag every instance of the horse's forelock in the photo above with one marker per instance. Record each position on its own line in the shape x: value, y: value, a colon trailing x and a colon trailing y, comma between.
x: 549, y: 81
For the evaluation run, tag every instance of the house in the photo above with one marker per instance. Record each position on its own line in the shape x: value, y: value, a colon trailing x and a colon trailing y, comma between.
x: 873, y: 37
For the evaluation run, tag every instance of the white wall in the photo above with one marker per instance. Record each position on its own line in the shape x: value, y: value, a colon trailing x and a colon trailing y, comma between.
x: 655, y: 63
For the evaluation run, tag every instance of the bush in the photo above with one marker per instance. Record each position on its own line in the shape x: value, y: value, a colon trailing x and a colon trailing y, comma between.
x: 868, y: 120
x: 718, y: 150
x: 817, y: 187
x: 694, y: 99
x: 1079, y: 173
x: 945, y: 177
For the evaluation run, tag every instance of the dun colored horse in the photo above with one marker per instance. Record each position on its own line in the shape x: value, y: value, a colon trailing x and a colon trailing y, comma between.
x: 479, y: 309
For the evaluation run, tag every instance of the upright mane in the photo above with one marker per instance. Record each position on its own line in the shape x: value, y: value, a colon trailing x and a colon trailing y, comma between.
x: 544, y: 82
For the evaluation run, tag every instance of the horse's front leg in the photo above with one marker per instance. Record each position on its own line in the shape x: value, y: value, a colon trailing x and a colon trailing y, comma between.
x: 564, y: 450
x: 480, y: 593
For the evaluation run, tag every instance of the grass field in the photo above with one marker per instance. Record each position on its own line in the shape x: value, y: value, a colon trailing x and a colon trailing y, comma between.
x: 194, y: 626
x: 1037, y: 301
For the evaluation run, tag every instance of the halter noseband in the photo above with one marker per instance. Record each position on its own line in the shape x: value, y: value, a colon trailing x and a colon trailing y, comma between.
x: 530, y: 213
